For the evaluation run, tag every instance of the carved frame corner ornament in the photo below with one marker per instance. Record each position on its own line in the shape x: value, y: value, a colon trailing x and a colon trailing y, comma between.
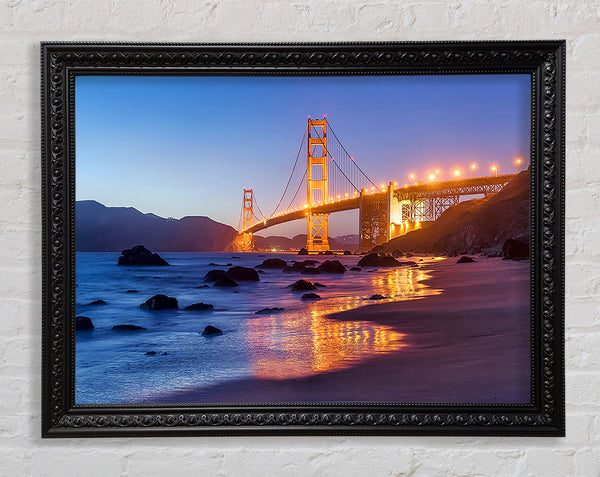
x: 543, y: 60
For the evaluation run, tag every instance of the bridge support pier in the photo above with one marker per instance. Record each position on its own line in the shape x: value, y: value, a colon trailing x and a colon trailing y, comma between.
x: 316, y: 240
x: 380, y: 218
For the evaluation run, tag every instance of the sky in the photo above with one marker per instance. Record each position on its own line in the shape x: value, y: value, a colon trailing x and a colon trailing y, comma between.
x: 188, y: 145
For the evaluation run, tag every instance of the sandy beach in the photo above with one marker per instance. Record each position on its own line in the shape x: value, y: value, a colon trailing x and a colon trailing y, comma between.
x: 470, y: 343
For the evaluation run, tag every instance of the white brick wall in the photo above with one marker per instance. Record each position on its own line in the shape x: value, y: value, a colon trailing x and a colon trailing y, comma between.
x: 24, y: 23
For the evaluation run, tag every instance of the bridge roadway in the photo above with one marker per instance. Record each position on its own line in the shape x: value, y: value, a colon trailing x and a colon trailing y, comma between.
x: 455, y: 187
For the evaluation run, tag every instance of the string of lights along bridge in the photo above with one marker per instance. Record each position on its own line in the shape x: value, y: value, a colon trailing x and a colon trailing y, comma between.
x: 331, y: 181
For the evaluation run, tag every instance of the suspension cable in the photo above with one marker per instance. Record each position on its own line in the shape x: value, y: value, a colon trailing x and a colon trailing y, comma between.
x: 348, y: 154
x: 336, y: 165
x: 297, y: 190
x: 255, y: 202
x: 291, y: 175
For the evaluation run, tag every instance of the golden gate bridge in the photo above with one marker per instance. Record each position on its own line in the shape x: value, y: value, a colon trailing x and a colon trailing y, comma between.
x: 334, y: 182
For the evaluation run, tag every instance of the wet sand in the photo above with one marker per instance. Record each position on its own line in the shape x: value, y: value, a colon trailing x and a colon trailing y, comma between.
x: 468, y: 344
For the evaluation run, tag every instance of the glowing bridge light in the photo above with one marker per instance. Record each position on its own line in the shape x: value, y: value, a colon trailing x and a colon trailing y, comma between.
x: 437, y: 171
x: 457, y: 173
x: 431, y: 177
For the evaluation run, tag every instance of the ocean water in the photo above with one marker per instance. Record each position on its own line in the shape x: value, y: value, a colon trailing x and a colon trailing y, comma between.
x: 112, y: 367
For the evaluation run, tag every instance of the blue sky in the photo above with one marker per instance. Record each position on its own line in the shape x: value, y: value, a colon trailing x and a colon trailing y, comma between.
x: 178, y: 146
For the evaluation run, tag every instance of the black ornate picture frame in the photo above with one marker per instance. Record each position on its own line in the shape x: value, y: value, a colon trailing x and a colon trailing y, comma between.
x: 61, y: 63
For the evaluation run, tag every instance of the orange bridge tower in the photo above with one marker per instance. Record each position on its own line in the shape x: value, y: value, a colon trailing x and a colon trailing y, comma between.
x: 316, y: 175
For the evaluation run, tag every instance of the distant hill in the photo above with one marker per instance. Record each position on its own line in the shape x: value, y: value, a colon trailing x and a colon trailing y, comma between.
x: 99, y: 228
x: 274, y: 242
x: 473, y: 226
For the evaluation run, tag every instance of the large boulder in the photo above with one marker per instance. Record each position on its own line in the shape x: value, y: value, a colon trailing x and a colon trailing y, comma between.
x: 128, y: 328
x: 302, y: 285
x: 515, y: 249
x: 199, y: 307
x: 465, y: 259
x: 226, y: 283
x: 376, y: 260
x: 140, y: 255
x: 268, y: 311
x: 160, y: 302
x: 310, y: 271
x: 83, y: 323
x: 302, y: 251
x: 215, y: 275
x: 272, y: 263
x: 310, y: 297
x: 243, y: 274
x: 211, y: 331
x: 332, y: 266
x: 97, y: 302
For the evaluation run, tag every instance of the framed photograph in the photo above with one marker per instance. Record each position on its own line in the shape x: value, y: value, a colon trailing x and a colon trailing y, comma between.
x: 340, y: 238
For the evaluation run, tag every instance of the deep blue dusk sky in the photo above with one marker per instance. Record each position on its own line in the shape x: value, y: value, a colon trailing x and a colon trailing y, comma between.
x: 178, y: 146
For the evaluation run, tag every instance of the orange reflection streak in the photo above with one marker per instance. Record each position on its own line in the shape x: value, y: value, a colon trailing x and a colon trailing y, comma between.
x: 330, y: 345
x: 305, y: 342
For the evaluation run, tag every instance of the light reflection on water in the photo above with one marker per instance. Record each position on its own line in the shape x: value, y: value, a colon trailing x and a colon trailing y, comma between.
x: 307, y: 342
x: 113, y: 367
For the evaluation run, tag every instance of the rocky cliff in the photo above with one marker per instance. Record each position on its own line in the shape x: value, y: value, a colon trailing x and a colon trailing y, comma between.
x: 474, y: 226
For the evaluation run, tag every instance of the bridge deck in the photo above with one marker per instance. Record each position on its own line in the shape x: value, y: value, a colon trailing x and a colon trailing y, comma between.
x: 472, y: 185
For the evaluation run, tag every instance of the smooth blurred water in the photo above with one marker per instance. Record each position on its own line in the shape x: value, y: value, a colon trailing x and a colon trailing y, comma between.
x: 111, y: 366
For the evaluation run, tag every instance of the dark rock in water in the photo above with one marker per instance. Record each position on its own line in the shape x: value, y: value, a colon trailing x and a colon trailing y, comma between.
x: 235, y: 257
x: 302, y: 285
x: 355, y: 269
x: 408, y: 263
x: 397, y: 253
x: 327, y: 252
x: 268, y: 311
x: 199, y: 307
x: 310, y: 296
x: 164, y: 353
x: 83, y: 323
x: 272, y: 263
x: 160, y: 302
x: 211, y: 264
x: 298, y: 267
x: 311, y: 271
x: 420, y: 260
x: 317, y: 284
x: 131, y: 291
x: 150, y: 353
x: 262, y: 255
x: 376, y: 260
x: 377, y: 296
x: 305, y: 263
x: 243, y: 273
x: 347, y: 252
x: 203, y: 286
x: 515, y: 249
x: 211, y: 331
x: 128, y: 328
x: 465, y: 260
x: 215, y: 275
x: 226, y: 283
x: 332, y: 266
x: 140, y: 255
x: 408, y: 255
x: 302, y: 251
x: 97, y: 302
